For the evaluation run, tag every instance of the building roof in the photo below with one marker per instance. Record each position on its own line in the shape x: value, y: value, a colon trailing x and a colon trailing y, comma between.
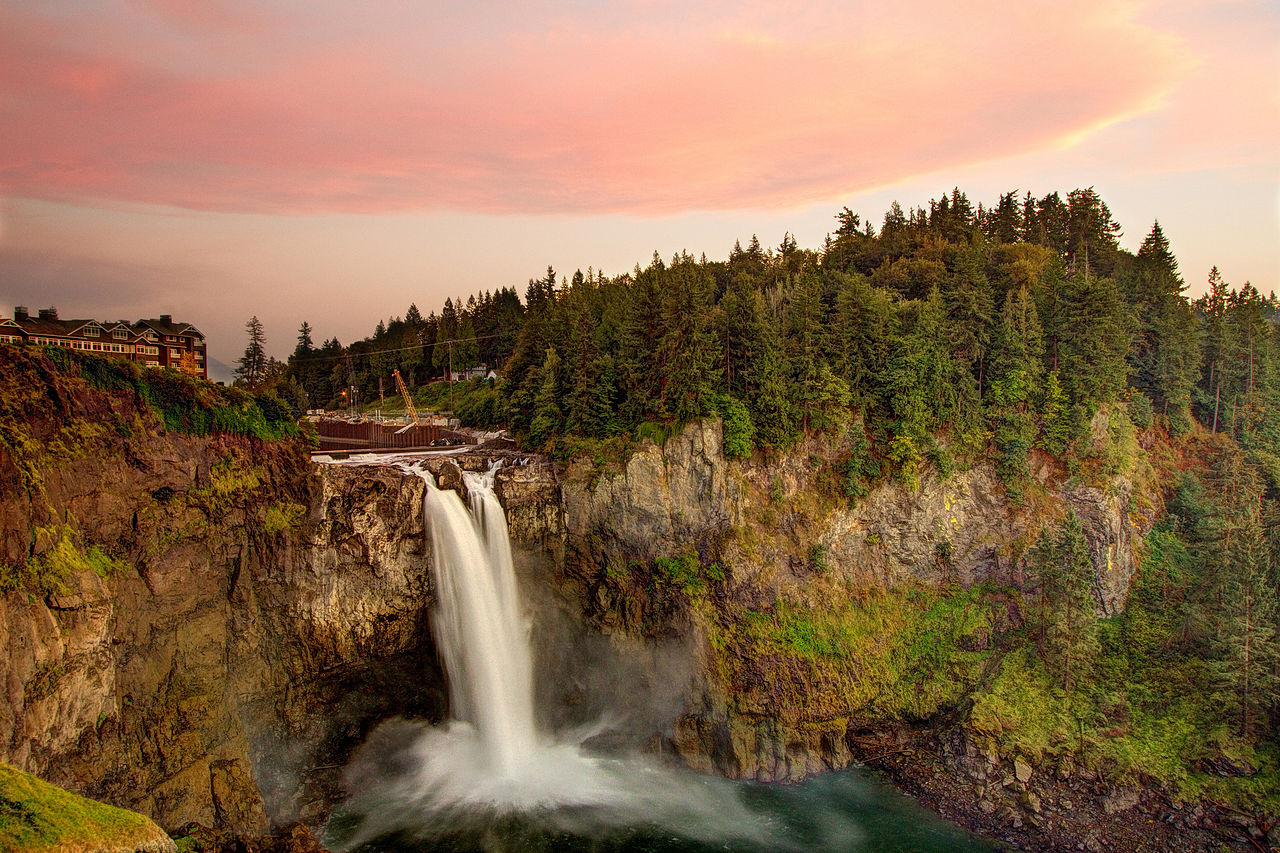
x: 164, y: 325
x: 46, y: 326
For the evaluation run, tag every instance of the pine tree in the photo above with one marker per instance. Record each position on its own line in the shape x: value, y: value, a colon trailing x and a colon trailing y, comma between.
x: 969, y: 311
x: 686, y: 343
x: 1016, y: 365
x: 1093, y: 353
x: 547, y: 420
x: 1166, y: 347
x: 863, y: 329
x: 1247, y: 647
x: 1061, y: 570
x: 251, y: 368
x: 305, y: 346
x: 446, y: 330
x: 1055, y: 426
x: 1005, y: 222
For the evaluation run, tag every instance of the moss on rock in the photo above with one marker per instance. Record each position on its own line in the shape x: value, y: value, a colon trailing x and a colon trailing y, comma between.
x: 36, y: 816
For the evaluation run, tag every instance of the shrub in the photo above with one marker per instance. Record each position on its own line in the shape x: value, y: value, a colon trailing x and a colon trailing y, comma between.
x: 1140, y: 409
x: 862, y: 467
x: 739, y: 431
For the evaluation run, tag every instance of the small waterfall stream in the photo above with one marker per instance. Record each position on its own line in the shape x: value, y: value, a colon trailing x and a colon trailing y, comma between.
x: 490, y: 780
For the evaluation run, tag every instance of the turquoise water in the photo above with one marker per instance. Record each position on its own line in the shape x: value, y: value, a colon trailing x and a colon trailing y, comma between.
x: 847, y: 811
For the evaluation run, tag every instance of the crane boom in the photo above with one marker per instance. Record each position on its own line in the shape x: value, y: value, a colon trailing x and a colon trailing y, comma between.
x: 404, y: 392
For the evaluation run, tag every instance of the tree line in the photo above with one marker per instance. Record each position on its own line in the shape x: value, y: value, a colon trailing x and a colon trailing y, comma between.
x: 948, y: 330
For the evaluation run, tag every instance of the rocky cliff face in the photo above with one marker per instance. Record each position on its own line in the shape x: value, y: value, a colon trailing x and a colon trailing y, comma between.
x: 195, y: 627
x: 784, y: 542
x: 233, y: 660
x: 208, y: 625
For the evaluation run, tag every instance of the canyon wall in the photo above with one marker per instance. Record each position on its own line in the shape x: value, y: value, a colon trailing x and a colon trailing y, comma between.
x: 774, y: 537
x: 202, y: 628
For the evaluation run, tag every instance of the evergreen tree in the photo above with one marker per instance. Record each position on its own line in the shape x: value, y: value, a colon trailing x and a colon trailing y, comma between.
x: 1055, y: 427
x: 547, y: 418
x: 252, y: 366
x: 1092, y: 356
x: 1016, y: 366
x: 686, y: 343
x: 863, y: 329
x: 1093, y: 237
x: 1061, y: 570
x: 305, y: 346
x: 969, y: 311
x: 1005, y: 222
x: 1166, y: 350
x: 446, y: 331
x: 1248, y: 649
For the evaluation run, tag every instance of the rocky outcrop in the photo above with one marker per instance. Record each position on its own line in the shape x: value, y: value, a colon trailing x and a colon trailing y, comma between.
x: 206, y: 622
x: 778, y: 531
x: 766, y: 517
x: 664, y: 500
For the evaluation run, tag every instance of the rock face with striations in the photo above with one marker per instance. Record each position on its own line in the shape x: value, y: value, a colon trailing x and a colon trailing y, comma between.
x: 780, y: 529
x: 206, y: 621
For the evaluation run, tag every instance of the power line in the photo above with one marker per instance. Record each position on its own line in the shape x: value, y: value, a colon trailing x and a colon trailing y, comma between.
x: 400, y: 349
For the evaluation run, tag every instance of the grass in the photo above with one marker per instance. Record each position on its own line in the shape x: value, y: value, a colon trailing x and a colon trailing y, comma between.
x: 37, y: 816
x: 903, y: 654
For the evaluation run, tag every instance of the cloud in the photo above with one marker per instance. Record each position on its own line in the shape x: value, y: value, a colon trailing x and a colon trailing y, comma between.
x: 643, y: 107
x: 88, y: 287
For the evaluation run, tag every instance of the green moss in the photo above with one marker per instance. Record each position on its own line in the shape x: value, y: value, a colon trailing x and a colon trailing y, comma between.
x: 687, y: 574
x: 59, y: 557
x: 904, y: 653
x: 231, y: 481
x: 35, y: 815
x: 280, y: 517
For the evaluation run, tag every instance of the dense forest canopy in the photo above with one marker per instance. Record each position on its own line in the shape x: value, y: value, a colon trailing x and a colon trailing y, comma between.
x: 946, y: 329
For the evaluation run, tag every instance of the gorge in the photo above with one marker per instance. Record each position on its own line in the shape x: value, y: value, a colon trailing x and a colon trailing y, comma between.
x: 210, y: 626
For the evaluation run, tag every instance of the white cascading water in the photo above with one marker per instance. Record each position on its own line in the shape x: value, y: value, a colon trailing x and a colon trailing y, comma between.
x: 479, y: 626
x: 413, y: 779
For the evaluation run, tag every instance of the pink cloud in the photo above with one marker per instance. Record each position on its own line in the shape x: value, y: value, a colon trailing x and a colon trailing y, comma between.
x: 642, y: 107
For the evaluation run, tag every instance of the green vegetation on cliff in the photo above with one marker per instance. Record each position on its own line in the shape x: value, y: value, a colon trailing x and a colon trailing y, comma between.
x: 73, y: 424
x: 36, y: 816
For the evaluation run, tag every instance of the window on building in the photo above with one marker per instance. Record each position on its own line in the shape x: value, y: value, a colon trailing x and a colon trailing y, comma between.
x: 91, y: 331
x: 120, y: 334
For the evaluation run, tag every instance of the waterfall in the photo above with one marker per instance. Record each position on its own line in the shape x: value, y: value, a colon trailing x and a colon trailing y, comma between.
x: 490, y: 764
x: 479, y: 627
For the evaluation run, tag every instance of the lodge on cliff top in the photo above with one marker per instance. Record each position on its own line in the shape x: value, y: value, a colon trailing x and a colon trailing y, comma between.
x: 157, y: 343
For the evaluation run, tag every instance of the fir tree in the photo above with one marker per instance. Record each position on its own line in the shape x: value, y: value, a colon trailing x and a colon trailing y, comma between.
x: 1061, y: 570
x: 251, y: 367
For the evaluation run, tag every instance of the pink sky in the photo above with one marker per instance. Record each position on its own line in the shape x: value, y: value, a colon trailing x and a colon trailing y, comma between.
x: 333, y: 162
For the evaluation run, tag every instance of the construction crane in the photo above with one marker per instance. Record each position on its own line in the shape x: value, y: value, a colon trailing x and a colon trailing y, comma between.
x: 408, y: 403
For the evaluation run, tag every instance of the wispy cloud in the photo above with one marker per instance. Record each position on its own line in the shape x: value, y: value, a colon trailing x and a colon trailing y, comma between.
x: 644, y: 106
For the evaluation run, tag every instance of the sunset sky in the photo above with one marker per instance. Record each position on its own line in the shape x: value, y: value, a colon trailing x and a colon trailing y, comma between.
x: 334, y: 161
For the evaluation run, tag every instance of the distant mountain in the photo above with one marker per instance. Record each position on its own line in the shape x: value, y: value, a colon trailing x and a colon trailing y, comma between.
x: 220, y: 372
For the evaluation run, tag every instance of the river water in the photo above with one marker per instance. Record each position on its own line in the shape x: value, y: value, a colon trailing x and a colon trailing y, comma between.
x: 490, y: 780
